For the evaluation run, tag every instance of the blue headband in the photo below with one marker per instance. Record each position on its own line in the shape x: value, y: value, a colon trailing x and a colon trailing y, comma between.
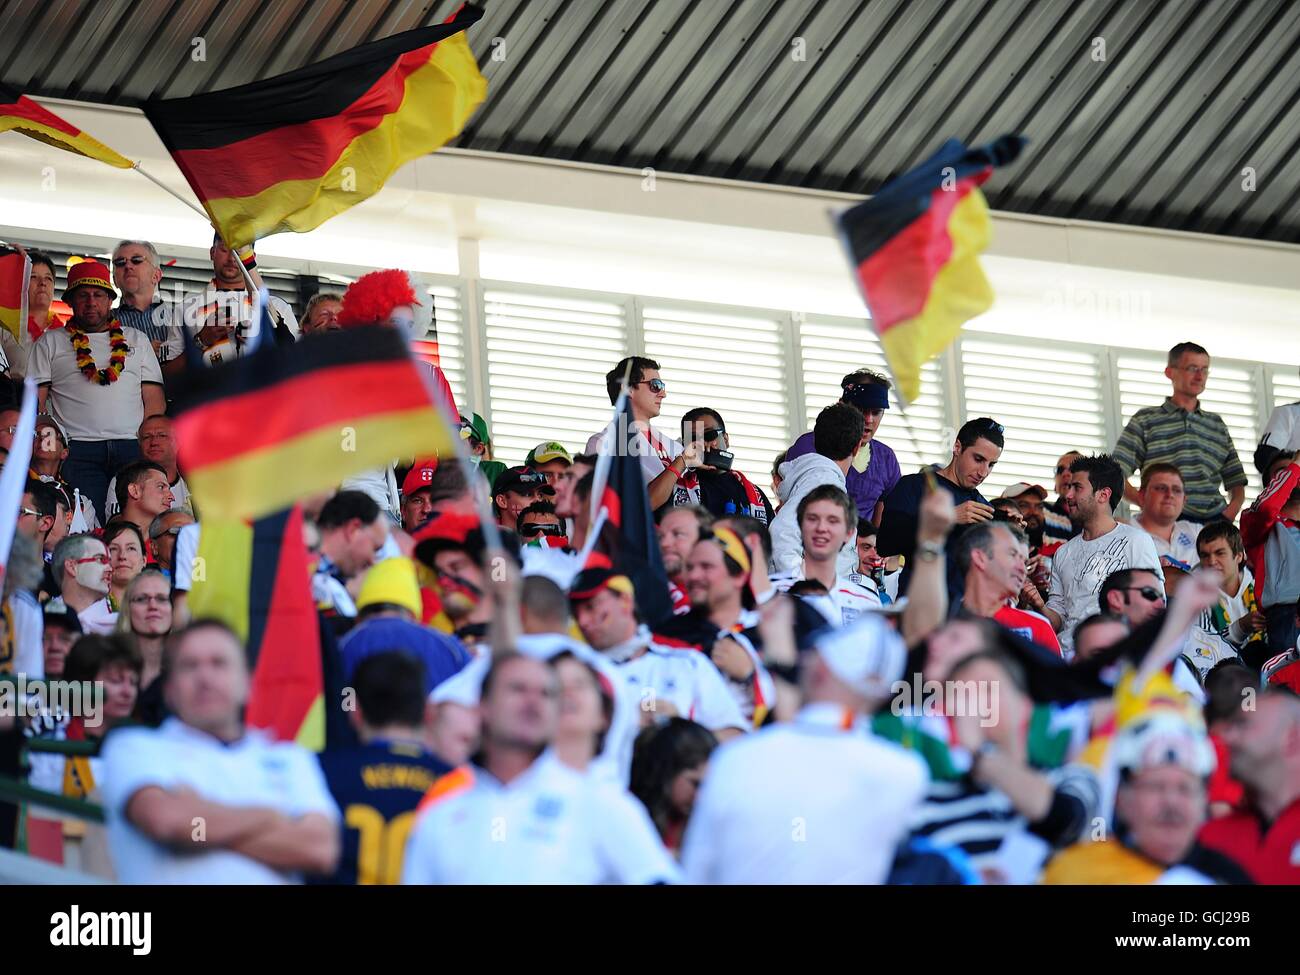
x: 867, y: 396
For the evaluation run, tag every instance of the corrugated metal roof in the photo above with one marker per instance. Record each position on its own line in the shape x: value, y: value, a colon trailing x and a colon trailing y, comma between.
x: 1190, y: 93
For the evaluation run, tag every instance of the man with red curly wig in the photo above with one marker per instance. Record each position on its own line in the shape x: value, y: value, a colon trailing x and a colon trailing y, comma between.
x: 388, y: 298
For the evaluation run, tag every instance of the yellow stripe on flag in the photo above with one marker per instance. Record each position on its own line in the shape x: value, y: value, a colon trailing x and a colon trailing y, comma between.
x: 959, y: 293
x: 219, y: 582
x: 439, y: 98
x: 81, y: 144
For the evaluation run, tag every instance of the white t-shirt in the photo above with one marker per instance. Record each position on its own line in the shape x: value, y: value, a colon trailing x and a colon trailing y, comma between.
x: 844, y: 602
x: 1181, y: 546
x: 550, y: 825
x: 688, y: 680
x: 29, y: 626
x: 810, y: 802
x: 1079, y: 568
x: 252, y: 772
x: 187, y: 547
x: 180, y: 498
x: 1283, y: 429
x: 99, y: 618
x: 212, y: 306
x: 87, y: 410
x: 656, y: 453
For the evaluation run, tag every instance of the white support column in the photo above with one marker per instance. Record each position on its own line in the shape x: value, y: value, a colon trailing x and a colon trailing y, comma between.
x: 475, y: 334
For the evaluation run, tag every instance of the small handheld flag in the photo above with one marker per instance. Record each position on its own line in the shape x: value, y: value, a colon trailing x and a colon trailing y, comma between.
x: 20, y: 114
x: 15, y: 273
x: 914, y: 248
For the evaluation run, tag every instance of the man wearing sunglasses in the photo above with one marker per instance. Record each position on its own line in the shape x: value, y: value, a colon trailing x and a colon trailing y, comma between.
x: 82, y: 572
x: 137, y: 272
x: 515, y: 490
x: 539, y: 525
x: 723, y: 490
x: 666, y: 464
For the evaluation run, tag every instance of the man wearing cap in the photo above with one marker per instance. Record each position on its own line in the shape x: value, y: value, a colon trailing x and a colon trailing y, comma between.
x: 514, y: 490
x: 723, y: 490
x: 1031, y: 501
x: 99, y: 378
x: 452, y: 546
x: 874, y: 470
x: 550, y: 458
x: 49, y: 451
x: 474, y: 431
x: 764, y: 814
x: 1164, y: 763
x: 417, y: 495
x: 388, y: 612
x: 163, y: 532
x: 667, y: 680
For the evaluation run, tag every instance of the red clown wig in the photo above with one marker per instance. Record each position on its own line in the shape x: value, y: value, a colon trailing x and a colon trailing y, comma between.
x: 371, y: 298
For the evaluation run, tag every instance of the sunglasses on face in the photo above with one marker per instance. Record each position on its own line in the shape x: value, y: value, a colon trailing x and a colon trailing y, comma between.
x: 712, y: 434
x: 120, y: 262
x: 656, y: 385
x: 1149, y: 593
x: 535, y: 528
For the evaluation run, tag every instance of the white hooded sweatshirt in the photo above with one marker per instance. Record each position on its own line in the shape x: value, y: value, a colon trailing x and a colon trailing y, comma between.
x: 798, y: 477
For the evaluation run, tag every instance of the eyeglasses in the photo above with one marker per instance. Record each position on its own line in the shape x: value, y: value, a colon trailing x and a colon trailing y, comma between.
x: 656, y: 385
x: 28, y: 511
x: 1150, y: 593
x: 534, y: 528
x: 10, y: 430
x: 137, y: 260
x: 1196, y: 370
x: 161, y: 600
x: 101, y: 559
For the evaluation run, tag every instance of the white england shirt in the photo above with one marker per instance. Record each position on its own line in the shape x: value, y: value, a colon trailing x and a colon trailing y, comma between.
x: 844, y: 602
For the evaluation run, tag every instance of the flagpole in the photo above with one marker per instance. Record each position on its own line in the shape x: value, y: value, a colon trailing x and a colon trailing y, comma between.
x: 601, y: 473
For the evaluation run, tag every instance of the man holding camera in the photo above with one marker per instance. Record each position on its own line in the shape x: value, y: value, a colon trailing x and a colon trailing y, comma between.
x: 723, y: 492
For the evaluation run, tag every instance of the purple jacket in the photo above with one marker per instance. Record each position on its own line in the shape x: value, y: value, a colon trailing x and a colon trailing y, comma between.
x: 872, y: 484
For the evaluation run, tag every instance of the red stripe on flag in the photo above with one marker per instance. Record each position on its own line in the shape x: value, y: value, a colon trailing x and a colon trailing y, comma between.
x: 898, y: 277
x: 342, y: 395
x: 303, y: 151
x: 28, y: 110
x: 613, y: 505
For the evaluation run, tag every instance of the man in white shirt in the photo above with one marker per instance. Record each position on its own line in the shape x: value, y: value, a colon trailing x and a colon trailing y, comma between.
x: 1102, y: 547
x: 826, y: 526
x: 99, y: 379
x: 1281, y: 435
x: 668, y: 681
x: 157, y: 444
x: 820, y: 800
x: 219, y: 317
x: 202, y: 800
x: 1221, y: 548
x: 665, y: 463
x: 518, y: 815
x: 1162, y: 497
x: 81, y: 569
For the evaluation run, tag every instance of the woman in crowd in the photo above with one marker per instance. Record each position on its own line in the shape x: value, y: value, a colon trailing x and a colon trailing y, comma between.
x: 586, y: 709
x: 126, y: 555
x: 668, y: 764
x: 146, y: 618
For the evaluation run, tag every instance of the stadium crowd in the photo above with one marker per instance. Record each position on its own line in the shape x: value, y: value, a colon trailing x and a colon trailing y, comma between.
x: 862, y: 674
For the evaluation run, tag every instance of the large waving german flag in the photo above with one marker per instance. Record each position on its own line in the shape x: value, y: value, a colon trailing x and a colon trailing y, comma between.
x: 257, y: 434
x: 288, y: 153
x: 915, y: 247
x: 21, y: 114
x: 256, y: 580
x: 15, y: 272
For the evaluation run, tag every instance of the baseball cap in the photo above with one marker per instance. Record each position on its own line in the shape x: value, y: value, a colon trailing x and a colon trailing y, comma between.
x: 544, y: 453
x: 866, y: 396
x: 522, y: 480
x: 418, y: 477
x: 1023, y: 487
x: 587, y: 583
x: 867, y: 655
x: 1163, y: 738
x: 58, y: 614
x: 475, y: 427
x: 48, y: 420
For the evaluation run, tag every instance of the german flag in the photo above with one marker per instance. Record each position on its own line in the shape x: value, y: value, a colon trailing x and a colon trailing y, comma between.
x: 261, y: 432
x: 288, y: 153
x: 914, y: 249
x: 21, y: 114
x: 15, y: 272
x: 255, y: 578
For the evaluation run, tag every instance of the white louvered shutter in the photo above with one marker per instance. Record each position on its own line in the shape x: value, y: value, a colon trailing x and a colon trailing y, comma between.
x: 448, y: 311
x: 834, y: 347
x: 1047, y: 396
x: 1231, y: 392
x: 547, y: 356
x: 728, y: 361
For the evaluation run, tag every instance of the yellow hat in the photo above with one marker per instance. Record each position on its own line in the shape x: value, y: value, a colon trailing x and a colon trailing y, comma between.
x: 391, y: 581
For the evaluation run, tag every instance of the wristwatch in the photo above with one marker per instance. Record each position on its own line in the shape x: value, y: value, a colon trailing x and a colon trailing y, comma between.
x: 928, y: 551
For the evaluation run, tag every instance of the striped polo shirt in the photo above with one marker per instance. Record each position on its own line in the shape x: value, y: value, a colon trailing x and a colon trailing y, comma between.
x: 1197, y: 443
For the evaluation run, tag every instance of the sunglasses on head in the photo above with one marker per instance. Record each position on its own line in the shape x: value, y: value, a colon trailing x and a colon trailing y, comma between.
x: 535, y: 528
x: 656, y: 385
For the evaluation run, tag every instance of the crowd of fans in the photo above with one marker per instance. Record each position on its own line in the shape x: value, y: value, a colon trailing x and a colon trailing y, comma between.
x: 868, y: 675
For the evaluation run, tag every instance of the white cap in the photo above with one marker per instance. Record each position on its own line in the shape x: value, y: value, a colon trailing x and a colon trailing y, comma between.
x: 1163, y: 739
x: 867, y: 655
